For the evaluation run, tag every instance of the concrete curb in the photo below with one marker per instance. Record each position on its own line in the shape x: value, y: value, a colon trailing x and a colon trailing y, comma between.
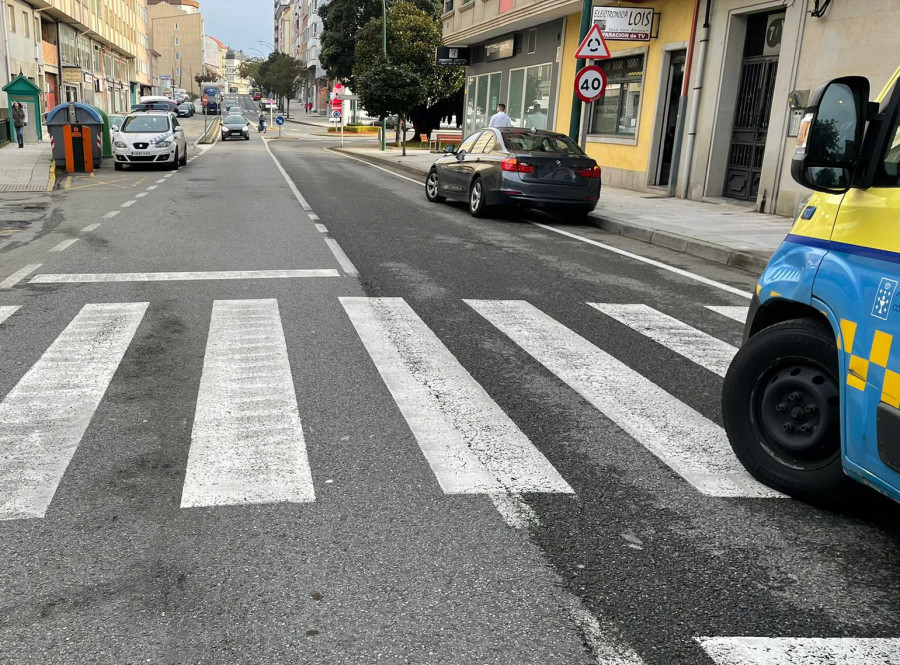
x: 738, y: 258
x: 51, y: 180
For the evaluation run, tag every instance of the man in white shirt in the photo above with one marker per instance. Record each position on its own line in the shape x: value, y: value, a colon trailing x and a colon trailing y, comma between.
x: 500, y: 119
x: 535, y: 118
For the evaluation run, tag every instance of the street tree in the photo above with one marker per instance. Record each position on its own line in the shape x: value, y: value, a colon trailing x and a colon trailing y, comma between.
x: 249, y: 69
x: 412, y: 37
x: 280, y: 74
x: 341, y: 22
x: 388, y: 89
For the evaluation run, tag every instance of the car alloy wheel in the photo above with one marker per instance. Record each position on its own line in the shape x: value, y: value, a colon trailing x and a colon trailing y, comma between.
x: 476, y: 198
x: 431, y: 188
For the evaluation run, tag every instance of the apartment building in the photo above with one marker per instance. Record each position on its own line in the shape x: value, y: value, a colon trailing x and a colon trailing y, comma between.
x: 308, y: 48
x: 214, y: 52
x: 236, y: 83
x: 177, y: 34
x: 283, y: 34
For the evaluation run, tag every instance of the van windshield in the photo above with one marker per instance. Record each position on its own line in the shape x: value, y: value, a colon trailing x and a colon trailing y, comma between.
x: 146, y: 124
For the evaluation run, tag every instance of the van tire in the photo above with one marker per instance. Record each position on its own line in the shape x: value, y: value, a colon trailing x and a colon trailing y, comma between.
x: 782, y: 413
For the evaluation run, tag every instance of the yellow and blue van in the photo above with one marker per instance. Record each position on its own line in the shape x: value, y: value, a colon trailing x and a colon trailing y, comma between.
x: 811, y: 401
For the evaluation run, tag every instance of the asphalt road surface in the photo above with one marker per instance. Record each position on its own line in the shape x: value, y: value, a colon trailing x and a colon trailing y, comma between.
x: 275, y: 407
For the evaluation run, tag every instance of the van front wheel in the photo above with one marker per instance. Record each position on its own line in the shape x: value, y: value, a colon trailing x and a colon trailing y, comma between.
x: 781, y: 409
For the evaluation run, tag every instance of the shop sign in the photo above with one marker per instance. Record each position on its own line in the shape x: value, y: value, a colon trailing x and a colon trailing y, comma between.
x: 624, y: 24
x: 452, y: 55
x: 71, y: 75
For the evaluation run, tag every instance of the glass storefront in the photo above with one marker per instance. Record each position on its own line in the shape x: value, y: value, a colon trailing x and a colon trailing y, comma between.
x: 616, y: 112
x: 529, y: 96
x: 482, y: 95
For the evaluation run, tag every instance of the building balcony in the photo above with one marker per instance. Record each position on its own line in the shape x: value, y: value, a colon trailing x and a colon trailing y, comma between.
x: 467, y: 22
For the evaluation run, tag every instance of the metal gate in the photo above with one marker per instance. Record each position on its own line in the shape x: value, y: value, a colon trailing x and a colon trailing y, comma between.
x: 751, y: 124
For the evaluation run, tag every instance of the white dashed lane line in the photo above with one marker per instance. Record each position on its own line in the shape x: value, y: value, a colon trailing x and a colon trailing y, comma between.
x: 19, y: 275
x: 321, y: 228
x: 90, y: 227
x: 140, y: 195
x: 111, y: 214
x: 152, y: 187
x: 128, y: 204
x: 65, y: 244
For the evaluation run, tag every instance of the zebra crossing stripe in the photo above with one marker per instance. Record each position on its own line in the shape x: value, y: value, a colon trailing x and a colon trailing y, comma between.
x: 693, y: 446
x: 801, y: 651
x: 44, y: 416
x: 470, y: 443
x: 695, y: 345
x: 738, y: 314
x: 247, y: 444
x: 7, y: 311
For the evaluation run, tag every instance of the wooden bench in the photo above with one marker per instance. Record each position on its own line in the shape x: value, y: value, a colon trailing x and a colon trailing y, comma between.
x: 444, y: 137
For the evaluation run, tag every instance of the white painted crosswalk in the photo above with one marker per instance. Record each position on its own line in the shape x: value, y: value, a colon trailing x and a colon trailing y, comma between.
x: 801, y: 651
x: 693, y: 446
x: 247, y: 444
x: 43, y: 418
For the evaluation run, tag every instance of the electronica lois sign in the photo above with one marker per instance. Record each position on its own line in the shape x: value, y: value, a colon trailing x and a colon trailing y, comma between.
x: 624, y: 24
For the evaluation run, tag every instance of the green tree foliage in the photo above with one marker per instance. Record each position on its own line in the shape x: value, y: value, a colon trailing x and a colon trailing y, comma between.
x: 207, y: 76
x: 412, y: 37
x: 280, y: 75
x: 249, y: 69
x: 341, y: 22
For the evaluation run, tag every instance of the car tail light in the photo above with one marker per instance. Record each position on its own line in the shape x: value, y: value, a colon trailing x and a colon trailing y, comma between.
x: 516, y: 166
x: 593, y: 172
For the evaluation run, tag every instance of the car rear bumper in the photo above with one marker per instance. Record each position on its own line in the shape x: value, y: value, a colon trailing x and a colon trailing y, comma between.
x: 514, y: 190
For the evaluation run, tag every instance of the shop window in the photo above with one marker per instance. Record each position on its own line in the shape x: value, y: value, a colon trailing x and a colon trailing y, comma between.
x: 528, y: 101
x: 616, y: 112
x: 482, y: 96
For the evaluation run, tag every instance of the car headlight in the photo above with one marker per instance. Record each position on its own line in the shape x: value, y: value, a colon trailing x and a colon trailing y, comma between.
x: 119, y: 144
x: 163, y: 144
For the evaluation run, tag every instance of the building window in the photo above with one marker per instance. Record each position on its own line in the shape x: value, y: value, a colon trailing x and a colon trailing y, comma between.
x: 482, y: 96
x: 529, y: 96
x: 25, y: 25
x: 531, y: 41
x: 12, y: 18
x: 176, y: 41
x: 616, y: 112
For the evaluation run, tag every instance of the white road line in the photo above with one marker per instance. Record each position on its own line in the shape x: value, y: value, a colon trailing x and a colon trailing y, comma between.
x: 75, y: 278
x: 128, y: 204
x: 140, y: 195
x: 375, y: 166
x: 738, y: 314
x: 152, y: 187
x: 162, y: 180
x: 247, y: 443
x: 471, y: 444
x: 321, y: 228
x: 801, y: 651
x: 287, y: 178
x: 19, y: 275
x: 313, y: 216
x: 44, y: 416
x: 111, y: 214
x: 65, y: 244
x: 90, y: 227
x: 342, y: 258
x: 603, y: 647
x: 7, y: 311
x: 693, y: 446
x: 652, y: 262
x: 695, y: 345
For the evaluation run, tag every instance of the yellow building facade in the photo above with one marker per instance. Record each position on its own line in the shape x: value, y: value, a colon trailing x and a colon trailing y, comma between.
x: 630, y: 131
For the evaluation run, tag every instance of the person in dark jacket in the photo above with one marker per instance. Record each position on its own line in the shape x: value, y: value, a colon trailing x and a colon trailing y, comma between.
x: 18, y: 117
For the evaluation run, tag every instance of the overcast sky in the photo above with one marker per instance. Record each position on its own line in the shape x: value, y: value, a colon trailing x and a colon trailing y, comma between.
x: 240, y: 23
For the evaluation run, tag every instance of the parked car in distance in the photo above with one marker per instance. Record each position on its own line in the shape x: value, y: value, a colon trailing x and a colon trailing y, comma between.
x: 150, y: 137
x: 512, y: 166
x: 235, y: 126
x: 257, y: 96
x: 185, y: 110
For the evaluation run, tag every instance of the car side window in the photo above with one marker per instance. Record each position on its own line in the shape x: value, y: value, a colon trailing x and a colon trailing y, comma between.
x: 469, y: 142
x: 482, y: 142
x: 491, y: 144
x: 889, y: 173
x: 175, y: 123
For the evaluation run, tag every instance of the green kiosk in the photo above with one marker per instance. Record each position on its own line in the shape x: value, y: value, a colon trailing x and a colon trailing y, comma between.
x: 22, y: 90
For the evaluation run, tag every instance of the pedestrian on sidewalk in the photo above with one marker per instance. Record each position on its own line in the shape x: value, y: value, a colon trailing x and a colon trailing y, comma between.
x: 500, y: 119
x: 18, y: 116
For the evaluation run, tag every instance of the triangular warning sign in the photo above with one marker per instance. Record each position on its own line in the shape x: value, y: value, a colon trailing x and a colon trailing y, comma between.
x: 593, y: 47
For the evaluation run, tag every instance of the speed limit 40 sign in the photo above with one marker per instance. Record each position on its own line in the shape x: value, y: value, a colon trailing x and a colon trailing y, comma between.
x: 590, y: 82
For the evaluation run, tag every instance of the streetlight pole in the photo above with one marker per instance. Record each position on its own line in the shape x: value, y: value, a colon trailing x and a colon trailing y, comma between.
x: 384, y: 50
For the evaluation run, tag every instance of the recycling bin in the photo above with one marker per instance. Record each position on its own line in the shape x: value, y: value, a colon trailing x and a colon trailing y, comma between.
x: 76, y: 136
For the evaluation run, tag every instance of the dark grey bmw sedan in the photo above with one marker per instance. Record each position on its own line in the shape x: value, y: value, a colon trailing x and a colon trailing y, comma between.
x: 512, y: 166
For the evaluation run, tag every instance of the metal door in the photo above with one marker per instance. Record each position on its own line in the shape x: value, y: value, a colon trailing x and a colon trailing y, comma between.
x: 751, y: 124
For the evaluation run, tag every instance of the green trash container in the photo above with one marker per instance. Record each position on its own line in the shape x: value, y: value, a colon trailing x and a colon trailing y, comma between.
x: 107, y: 132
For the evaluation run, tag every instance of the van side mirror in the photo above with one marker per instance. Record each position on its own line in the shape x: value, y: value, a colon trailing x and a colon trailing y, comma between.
x: 831, y: 134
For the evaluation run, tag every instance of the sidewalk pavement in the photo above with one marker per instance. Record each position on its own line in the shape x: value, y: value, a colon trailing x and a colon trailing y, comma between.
x: 720, y: 232
x: 29, y: 169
